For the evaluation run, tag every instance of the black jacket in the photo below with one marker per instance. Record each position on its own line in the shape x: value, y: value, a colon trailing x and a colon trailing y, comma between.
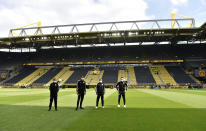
x: 54, y: 87
x: 81, y: 87
x: 100, y: 89
x: 121, y: 86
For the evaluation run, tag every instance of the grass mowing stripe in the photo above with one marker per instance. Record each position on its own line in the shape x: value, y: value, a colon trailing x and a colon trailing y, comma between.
x: 64, y: 99
x: 21, y: 93
x: 188, y: 91
x: 24, y: 111
x: 42, y: 102
x: 90, y: 104
x: 34, y: 97
x: 145, y: 100
x: 140, y: 114
x: 136, y: 117
x: 24, y: 117
x: 28, y: 92
x: 20, y: 89
x: 194, y: 101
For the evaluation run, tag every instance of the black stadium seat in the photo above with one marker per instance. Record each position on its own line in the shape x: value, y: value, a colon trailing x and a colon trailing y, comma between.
x: 179, y: 74
x: 24, y: 72
x: 47, y: 76
x: 143, y: 74
x: 78, y: 73
x: 110, y: 74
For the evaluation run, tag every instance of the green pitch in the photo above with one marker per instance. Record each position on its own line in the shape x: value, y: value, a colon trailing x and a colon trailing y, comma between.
x: 156, y: 110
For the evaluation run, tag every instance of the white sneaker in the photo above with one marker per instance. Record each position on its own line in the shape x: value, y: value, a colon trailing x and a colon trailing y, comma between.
x: 102, y: 106
x: 118, y: 105
x: 96, y: 107
x: 124, y: 106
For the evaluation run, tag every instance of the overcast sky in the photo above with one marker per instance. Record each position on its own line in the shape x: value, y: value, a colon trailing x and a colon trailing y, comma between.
x: 15, y: 13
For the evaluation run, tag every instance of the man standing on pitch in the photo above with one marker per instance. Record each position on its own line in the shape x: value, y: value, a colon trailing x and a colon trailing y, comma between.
x: 81, y: 91
x: 122, y: 88
x: 100, y: 90
x: 54, y: 89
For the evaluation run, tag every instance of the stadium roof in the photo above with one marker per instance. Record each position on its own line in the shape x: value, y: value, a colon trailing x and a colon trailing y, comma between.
x: 106, y: 33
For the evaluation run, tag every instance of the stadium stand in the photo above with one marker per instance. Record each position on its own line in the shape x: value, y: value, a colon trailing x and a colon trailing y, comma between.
x: 161, y: 75
x: 122, y: 73
x: 147, y: 52
x: 165, y: 76
x: 134, y: 75
x: 131, y: 78
x: 24, y: 72
x: 179, y: 75
x: 78, y: 73
x: 92, y: 77
x: 195, y: 79
x: 154, y: 71
x: 129, y: 53
x: 47, y: 77
x: 110, y: 74
x: 33, y: 76
x: 62, y: 76
x: 142, y: 72
x: 143, y: 75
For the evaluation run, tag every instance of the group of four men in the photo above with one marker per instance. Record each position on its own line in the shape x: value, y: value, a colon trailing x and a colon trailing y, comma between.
x: 121, y: 86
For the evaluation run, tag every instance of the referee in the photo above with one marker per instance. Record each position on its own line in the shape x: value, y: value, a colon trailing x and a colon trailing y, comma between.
x: 122, y: 88
x: 54, y: 89
x: 81, y: 91
x: 100, y: 91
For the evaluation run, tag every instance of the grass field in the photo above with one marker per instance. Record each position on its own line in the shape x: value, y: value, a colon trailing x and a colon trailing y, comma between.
x: 156, y: 110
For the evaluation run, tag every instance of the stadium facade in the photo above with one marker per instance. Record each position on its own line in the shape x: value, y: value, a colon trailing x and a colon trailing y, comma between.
x: 160, y: 56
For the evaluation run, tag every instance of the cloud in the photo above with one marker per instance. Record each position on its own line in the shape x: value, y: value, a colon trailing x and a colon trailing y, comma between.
x: 53, y: 12
x: 174, y: 10
x: 203, y: 2
x: 178, y: 2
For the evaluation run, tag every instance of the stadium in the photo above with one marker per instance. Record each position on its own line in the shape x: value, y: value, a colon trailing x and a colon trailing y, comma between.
x: 163, y: 62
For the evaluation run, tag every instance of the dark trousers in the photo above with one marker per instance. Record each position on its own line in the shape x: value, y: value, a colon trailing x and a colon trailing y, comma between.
x: 80, y: 98
x: 102, y: 99
x: 123, y: 96
x: 53, y: 96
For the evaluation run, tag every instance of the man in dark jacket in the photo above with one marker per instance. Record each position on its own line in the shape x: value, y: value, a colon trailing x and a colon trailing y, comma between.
x: 122, y: 88
x: 54, y: 88
x: 81, y: 91
x: 100, y: 90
